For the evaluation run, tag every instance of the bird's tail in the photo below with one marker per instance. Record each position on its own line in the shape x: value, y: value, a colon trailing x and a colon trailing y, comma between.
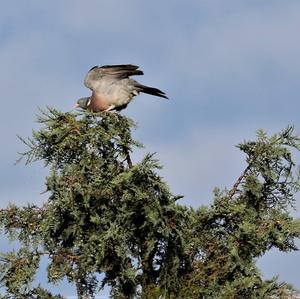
x: 151, y: 90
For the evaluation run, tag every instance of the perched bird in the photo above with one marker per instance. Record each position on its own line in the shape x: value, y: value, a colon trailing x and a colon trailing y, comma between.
x: 112, y: 89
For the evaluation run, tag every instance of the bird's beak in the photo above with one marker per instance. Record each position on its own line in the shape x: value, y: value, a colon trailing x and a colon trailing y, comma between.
x: 76, y: 105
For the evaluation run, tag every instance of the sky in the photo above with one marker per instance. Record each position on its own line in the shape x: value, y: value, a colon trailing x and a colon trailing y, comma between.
x: 229, y: 68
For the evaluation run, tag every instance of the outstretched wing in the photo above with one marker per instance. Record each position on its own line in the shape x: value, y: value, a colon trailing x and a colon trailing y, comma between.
x: 109, y: 73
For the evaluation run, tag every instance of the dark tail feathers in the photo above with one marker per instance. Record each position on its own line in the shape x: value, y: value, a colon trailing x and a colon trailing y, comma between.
x: 151, y: 90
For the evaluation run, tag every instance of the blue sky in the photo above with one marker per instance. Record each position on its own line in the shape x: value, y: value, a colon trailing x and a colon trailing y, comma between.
x: 228, y: 67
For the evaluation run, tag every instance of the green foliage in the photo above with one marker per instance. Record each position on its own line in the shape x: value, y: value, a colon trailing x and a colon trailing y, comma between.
x: 248, y: 220
x: 107, y: 215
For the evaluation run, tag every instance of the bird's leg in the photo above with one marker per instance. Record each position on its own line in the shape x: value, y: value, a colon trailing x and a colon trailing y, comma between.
x: 110, y: 108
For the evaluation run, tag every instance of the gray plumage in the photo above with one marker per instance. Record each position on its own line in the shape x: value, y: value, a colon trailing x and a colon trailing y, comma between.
x: 112, y: 89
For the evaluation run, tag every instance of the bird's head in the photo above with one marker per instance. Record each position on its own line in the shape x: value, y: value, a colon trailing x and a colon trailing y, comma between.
x: 82, y: 103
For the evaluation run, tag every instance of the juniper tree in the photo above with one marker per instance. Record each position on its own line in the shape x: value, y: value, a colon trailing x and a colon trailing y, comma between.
x: 107, y: 215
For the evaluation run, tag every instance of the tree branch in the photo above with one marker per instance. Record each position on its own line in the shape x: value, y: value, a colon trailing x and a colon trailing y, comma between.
x: 234, y: 189
x: 128, y: 159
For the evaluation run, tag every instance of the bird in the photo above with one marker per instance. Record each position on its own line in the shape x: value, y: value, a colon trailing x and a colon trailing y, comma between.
x: 112, y: 88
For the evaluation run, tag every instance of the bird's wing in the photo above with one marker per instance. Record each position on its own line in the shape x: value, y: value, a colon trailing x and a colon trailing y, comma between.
x: 109, y: 73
